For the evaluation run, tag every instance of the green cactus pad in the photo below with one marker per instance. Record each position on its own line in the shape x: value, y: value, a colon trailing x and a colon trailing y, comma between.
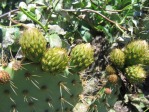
x: 106, y: 101
x: 136, y: 74
x: 82, y: 56
x: 33, y: 44
x: 135, y: 52
x: 33, y: 90
x: 101, y: 102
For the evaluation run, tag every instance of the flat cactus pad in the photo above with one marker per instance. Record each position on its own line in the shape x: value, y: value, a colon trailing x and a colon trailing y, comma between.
x: 33, y: 90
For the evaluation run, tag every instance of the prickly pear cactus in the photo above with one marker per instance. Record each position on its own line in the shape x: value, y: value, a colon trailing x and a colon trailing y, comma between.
x: 30, y: 89
x: 106, y: 99
x: 41, y: 80
x: 98, y: 97
x: 103, y: 101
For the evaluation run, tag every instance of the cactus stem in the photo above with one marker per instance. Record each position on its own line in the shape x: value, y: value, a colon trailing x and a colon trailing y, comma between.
x: 49, y: 88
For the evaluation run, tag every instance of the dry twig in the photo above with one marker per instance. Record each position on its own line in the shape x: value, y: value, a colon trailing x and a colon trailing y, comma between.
x: 96, y: 12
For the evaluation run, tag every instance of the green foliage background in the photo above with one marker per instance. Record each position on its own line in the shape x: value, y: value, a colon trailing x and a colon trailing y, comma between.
x: 82, y: 18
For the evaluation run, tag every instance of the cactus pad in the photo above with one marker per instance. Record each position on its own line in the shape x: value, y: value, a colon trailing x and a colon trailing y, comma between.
x: 33, y: 90
x: 106, y: 100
